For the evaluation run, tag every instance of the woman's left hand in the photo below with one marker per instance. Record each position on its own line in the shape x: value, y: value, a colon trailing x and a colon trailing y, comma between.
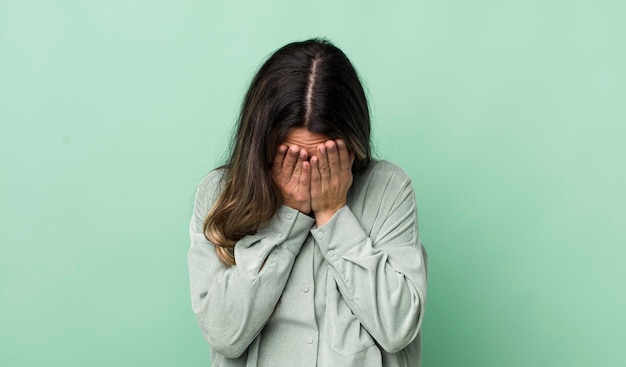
x: 331, y: 178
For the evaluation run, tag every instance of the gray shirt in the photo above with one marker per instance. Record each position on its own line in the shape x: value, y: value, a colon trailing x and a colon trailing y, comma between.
x: 349, y: 293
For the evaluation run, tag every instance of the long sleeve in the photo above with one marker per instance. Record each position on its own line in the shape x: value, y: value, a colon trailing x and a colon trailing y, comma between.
x: 382, y: 279
x: 232, y: 304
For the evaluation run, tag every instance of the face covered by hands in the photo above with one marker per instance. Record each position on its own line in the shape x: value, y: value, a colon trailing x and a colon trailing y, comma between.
x: 320, y: 184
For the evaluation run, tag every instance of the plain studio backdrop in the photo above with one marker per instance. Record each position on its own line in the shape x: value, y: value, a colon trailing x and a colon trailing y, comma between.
x: 508, y: 115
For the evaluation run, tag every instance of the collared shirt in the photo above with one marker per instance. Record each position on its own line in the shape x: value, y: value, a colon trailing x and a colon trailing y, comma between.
x: 351, y: 292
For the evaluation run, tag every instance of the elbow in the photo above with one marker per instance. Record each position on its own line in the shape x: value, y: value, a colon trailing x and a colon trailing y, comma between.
x: 223, y: 337
x: 228, y: 350
x: 222, y: 341
x: 225, y: 332
x: 395, y: 342
x: 395, y: 339
x: 399, y: 332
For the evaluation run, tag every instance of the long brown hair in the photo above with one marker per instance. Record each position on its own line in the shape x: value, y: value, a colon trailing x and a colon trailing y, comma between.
x: 308, y: 84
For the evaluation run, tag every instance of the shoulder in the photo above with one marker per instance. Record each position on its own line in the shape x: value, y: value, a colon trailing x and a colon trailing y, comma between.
x: 381, y: 181
x: 211, y: 183
x: 383, y: 170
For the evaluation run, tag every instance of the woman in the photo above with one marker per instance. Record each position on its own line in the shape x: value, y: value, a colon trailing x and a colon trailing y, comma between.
x: 305, y: 251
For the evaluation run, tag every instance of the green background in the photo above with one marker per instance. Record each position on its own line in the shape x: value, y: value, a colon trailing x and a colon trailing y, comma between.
x: 508, y: 115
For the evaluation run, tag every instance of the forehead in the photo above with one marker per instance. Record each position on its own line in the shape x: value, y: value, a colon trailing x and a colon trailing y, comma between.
x: 305, y: 139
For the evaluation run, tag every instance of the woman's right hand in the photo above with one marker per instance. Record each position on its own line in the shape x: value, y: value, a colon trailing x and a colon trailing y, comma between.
x: 292, y: 175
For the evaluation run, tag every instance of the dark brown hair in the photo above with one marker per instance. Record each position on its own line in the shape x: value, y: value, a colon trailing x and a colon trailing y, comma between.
x: 308, y: 84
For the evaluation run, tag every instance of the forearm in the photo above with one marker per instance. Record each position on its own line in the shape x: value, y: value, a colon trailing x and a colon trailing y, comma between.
x: 383, y: 287
x: 232, y: 304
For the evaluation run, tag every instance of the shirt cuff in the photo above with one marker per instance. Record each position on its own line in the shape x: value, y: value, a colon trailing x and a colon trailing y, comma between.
x: 339, y: 235
x: 290, y: 227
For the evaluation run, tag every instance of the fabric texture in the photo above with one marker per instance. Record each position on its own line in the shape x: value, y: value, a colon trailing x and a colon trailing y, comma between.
x: 349, y: 293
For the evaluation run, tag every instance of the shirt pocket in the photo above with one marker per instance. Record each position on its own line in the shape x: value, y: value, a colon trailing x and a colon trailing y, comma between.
x: 346, y: 334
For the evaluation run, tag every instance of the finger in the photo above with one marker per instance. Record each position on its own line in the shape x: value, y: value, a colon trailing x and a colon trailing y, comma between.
x: 279, y: 157
x: 297, y: 170
x: 344, y: 157
x: 323, y: 161
x: 305, y: 177
x: 290, y: 162
x: 315, y: 172
x: 333, y: 158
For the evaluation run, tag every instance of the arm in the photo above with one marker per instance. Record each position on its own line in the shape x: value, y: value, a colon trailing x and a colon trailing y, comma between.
x: 233, y: 304
x: 382, y: 279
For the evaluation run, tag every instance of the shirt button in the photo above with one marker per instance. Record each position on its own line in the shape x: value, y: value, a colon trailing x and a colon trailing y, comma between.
x: 321, y: 234
x: 279, y: 235
x: 330, y: 253
x: 306, y: 289
x: 309, y: 339
x: 288, y: 216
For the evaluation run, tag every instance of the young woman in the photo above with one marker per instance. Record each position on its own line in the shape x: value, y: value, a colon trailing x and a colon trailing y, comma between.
x: 305, y: 250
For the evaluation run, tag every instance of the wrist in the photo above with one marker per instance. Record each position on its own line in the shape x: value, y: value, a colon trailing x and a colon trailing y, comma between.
x: 323, y: 216
x: 301, y: 207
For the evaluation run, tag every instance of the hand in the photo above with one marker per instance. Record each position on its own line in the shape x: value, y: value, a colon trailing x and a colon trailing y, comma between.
x: 292, y: 175
x: 331, y: 178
